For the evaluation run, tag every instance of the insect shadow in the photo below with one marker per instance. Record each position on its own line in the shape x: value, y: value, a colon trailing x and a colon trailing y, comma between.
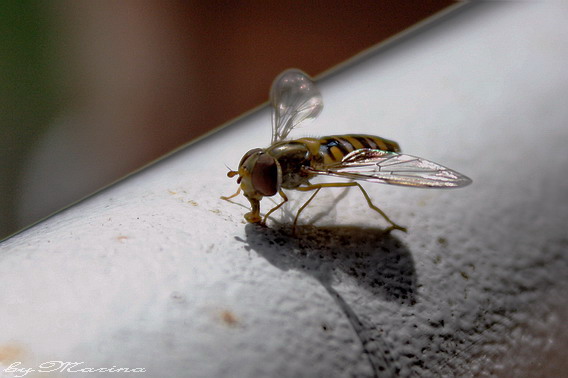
x: 375, y: 259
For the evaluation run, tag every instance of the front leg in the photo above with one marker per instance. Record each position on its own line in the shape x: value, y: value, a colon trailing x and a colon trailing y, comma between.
x: 254, y: 215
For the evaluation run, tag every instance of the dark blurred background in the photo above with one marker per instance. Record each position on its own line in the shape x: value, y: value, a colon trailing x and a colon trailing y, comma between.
x: 92, y: 90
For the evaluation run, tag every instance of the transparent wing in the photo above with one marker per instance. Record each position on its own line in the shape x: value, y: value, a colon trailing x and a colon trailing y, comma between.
x: 393, y: 168
x: 294, y: 98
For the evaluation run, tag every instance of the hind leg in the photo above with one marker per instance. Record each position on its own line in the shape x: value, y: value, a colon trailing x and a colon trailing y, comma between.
x: 317, y: 188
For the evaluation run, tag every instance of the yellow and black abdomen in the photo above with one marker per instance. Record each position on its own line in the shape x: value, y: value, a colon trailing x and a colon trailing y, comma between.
x: 334, y: 148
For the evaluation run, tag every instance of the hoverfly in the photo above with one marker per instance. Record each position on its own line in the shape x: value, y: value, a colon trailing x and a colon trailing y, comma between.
x: 290, y: 164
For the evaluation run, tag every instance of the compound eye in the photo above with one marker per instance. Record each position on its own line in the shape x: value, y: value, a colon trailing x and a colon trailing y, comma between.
x: 265, y: 175
x: 249, y: 154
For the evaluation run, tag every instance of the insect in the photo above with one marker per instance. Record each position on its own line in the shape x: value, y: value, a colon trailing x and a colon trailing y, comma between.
x: 291, y: 164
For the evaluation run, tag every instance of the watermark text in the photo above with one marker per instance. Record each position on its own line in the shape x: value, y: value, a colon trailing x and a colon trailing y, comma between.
x: 16, y: 369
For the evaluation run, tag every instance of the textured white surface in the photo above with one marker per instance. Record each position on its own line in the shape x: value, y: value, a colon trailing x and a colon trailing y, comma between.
x: 158, y: 272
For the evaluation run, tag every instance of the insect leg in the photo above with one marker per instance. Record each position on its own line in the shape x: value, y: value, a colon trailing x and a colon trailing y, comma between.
x: 232, y: 196
x: 277, y: 206
x: 254, y: 215
x: 317, y: 187
x: 393, y: 226
x: 303, y: 207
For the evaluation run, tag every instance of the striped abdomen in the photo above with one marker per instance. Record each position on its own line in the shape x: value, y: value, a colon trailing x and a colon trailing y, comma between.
x: 334, y: 148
